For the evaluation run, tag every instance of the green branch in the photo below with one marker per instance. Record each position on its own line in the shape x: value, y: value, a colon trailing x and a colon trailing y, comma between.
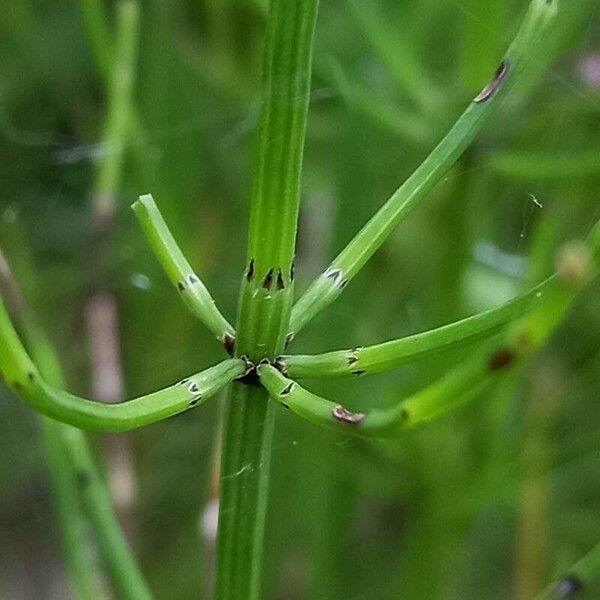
x: 179, y: 271
x: 22, y: 376
x: 348, y: 263
x: 576, y: 265
x: 385, y: 356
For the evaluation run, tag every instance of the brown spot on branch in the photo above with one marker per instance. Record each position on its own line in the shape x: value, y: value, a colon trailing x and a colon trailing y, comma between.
x: 492, y: 87
x: 345, y: 416
x: 229, y: 343
x: 500, y: 359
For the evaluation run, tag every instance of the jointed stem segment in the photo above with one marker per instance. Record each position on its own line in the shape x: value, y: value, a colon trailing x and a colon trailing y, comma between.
x: 266, y: 294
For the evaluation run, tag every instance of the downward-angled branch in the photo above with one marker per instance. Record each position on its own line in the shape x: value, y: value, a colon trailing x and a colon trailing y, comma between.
x: 179, y: 271
x: 23, y: 377
x: 576, y: 265
x: 326, y: 288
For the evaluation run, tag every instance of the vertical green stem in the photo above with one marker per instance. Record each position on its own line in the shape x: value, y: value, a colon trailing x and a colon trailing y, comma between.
x: 266, y: 294
x: 84, y: 577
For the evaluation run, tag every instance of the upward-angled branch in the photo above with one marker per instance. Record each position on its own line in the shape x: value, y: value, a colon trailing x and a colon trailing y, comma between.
x: 23, y: 377
x: 390, y: 354
x: 179, y: 271
x: 326, y: 288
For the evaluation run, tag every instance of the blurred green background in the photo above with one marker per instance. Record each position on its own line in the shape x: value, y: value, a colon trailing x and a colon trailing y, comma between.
x: 489, y: 502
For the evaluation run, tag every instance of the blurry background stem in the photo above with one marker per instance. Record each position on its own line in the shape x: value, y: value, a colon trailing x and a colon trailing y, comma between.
x: 79, y: 488
x: 102, y: 312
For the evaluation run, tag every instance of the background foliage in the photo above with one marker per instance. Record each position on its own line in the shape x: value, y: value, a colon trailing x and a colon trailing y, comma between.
x: 496, y: 497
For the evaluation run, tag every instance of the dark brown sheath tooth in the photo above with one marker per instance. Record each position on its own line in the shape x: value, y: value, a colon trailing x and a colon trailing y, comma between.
x: 280, y: 282
x: 268, y: 280
x: 288, y: 388
x: 250, y: 270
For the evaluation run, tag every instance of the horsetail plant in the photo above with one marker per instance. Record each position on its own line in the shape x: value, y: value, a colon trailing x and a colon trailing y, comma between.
x: 258, y: 373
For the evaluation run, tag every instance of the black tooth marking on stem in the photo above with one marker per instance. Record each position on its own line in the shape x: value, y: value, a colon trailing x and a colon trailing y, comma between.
x: 229, y: 343
x: 285, y: 405
x: 287, y: 389
x: 250, y: 375
x: 293, y: 271
x: 268, y: 280
x: 184, y: 381
x: 280, y: 365
x: 193, y: 388
x: 568, y: 586
x: 192, y: 279
x: 180, y: 286
x: 345, y: 416
x: 335, y: 275
x: 501, y: 359
x: 280, y: 283
x: 250, y: 270
x: 194, y: 401
x: 352, y: 358
x: 492, y: 87
x: 359, y: 372
x: 250, y: 366
x: 289, y: 338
